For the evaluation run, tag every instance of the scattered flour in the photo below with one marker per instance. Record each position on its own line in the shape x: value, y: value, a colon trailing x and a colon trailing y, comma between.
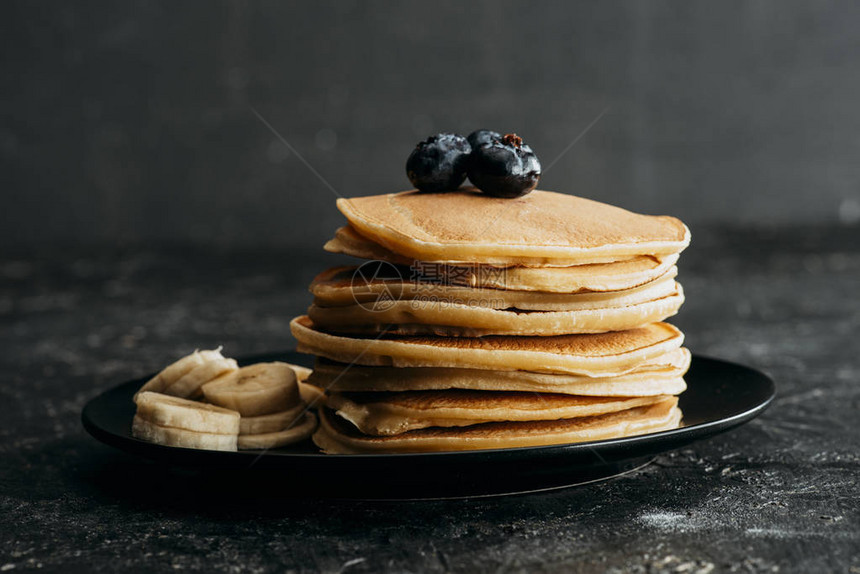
x: 670, y: 521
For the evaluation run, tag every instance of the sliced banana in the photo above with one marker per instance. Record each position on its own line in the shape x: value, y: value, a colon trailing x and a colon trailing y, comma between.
x: 298, y: 432
x: 312, y: 395
x: 274, y: 422
x: 255, y: 390
x: 175, y: 412
x: 271, y: 398
x: 188, y: 386
x: 180, y: 368
x: 168, y: 436
x: 302, y: 373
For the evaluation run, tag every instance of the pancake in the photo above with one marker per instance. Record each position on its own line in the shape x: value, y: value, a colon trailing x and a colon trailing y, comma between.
x: 595, y: 277
x: 541, y: 228
x: 660, y: 376
x: 348, y: 241
x: 386, y: 414
x: 614, y: 276
x: 371, y: 285
x: 478, y: 317
x: 336, y: 436
x: 420, y: 317
x: 599, y: 355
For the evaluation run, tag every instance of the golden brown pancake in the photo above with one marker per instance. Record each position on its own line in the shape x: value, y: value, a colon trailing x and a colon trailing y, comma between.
x: 348, y: 241
x: 614, y: 276
x: 660, y: 376
x: 477, y: 317
x: 375, y: 286
x: 337, y: 436
x: 542, y: 228
x: 384, y: 414
x: 597, y: 355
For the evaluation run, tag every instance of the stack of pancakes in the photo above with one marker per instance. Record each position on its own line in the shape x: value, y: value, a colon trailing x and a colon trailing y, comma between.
x: 485, y: 322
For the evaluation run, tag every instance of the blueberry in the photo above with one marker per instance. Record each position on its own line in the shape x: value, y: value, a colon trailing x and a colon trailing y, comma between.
x: 480, y: 137
x: 439, y: 163
x: 504, y: 168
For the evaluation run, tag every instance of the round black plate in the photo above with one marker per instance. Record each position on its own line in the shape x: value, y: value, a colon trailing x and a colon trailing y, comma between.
x: 720, y: 396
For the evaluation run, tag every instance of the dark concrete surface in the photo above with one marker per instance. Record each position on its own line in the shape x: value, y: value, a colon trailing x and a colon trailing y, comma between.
x: 779, y: 494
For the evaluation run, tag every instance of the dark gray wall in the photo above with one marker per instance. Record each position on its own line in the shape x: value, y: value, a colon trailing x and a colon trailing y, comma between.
x: 133, y: 122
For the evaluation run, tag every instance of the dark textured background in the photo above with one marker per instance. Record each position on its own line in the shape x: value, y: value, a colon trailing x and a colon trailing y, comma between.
x: 132, y: 122
x: 146, y: 211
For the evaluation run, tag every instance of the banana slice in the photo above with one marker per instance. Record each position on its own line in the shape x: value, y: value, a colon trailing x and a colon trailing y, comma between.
x: 302, y: 373
x: 311, y: 395
x: 255, y: 390
x: 274, y: 422
x: 174, y: 412
x: 168, y: 436
x: 298, y: 432
x: 188, y: 386
x: 179, y: 369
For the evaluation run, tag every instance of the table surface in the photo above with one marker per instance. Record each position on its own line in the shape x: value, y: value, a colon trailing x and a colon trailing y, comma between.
x: 779, y: 494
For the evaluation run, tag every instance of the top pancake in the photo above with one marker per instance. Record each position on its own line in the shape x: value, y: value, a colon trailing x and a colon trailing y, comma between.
x: 541, y: 228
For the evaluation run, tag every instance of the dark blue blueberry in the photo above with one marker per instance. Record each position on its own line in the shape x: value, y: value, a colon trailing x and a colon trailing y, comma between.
x: 480, y: 137
x: 504, y: 168
x: 439, y: 163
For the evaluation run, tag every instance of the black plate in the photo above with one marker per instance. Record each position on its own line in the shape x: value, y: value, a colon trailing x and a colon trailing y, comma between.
x: 720, y: 396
